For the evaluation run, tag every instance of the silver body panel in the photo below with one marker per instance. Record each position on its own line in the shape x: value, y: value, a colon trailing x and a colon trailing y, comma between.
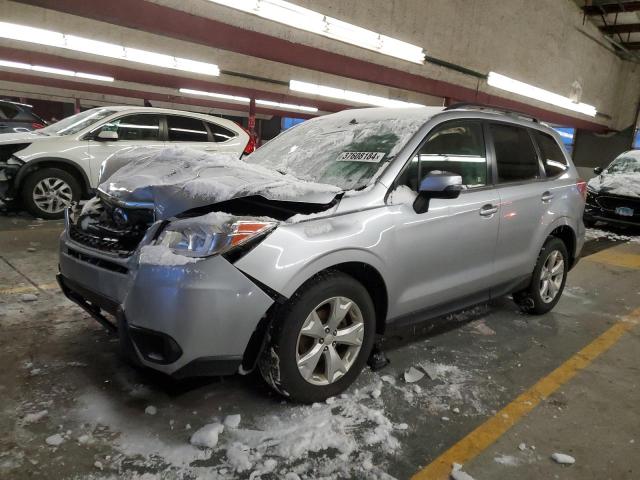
x: 443, y: 256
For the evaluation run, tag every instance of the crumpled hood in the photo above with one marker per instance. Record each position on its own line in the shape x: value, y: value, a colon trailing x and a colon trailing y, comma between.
x: 176, y: 179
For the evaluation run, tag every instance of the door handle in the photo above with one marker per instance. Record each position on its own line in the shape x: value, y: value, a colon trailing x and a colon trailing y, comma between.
x: 488, y: 210
x: 547, y: 197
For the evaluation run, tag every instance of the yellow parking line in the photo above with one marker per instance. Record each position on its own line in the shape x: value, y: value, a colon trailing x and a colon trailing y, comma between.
x: 617, y: 259
x: 487, y: 433
x: 28, y: 288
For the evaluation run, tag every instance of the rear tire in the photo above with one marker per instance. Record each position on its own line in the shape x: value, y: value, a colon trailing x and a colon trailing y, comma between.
x: 48, y: 191
x: 548, y: 279
x: 319, y: 340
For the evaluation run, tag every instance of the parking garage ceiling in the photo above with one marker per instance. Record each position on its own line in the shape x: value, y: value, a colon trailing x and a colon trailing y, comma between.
x: 256, y: 60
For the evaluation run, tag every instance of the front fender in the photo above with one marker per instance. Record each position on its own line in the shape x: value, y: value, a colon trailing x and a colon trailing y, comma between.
x: 293, y: 254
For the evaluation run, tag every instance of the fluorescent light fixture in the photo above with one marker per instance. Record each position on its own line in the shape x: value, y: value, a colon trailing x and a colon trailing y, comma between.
x: 286, y: 106
x: 347, y: 95
x: 267, y: 103
x: 55, y: 71
x: 526, y: 90
x: 221, y: 96
x: 304, y: 19
x: 94, y: 47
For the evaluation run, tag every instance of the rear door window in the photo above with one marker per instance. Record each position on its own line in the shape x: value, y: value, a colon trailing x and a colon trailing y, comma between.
x: 8, y: 111
x: 552, y: 157
x: 219, y: 133
x: 516, y: 157
x: 186, y: 129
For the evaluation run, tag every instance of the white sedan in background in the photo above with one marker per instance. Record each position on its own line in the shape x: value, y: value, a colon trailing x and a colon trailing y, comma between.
x: 49, y: 168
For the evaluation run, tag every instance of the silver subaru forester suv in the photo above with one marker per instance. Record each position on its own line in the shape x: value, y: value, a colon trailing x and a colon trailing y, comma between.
x: 294, y: 259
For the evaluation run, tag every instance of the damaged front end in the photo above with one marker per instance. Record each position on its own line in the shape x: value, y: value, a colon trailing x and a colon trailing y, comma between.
x: 109, y: 226
x: 9, y: 167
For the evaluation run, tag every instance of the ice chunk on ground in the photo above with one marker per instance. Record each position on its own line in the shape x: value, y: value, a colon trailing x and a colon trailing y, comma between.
x: 458, y: 474
x: 151, y: 410
x: 35, y: 417
x: 161, y: 255
x: 207, y: 436
x: 291, y: 476
x: 84, y: 439
x: 232, y: 421
x: 563, y: 458
x: 413, y: 375
x: 375, y: 393
x: 28, y: 297
x: 55, y: 440
x: 430, y: 369
x: 509, y: 460
x: 522, y: 447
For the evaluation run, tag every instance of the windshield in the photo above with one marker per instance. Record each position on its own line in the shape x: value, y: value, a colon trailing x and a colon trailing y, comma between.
x: 345, y: 150
x: 626, y: 164
x: 77, y: 122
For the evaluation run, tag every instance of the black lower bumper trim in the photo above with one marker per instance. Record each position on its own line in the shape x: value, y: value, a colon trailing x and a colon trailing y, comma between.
x: 209, y: 367
x: 89, y: 301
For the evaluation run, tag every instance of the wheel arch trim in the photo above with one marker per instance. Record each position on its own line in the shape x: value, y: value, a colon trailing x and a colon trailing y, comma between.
x: 53, y: 162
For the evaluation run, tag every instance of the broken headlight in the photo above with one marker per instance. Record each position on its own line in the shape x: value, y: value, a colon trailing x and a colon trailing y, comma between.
x: 196, y: 239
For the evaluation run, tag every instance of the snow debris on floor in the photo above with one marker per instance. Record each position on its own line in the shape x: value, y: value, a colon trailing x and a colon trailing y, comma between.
x: 233, y: 421
x: 207, y: 436
x: 458, y: 474
x: 54, y: 440
x: 151, y: 410
x: 28, y: 297
x: 563, y: 459
x: 597, y: 234
x: 508, y: 460
x: 413, y: 375
x: 34, y: 417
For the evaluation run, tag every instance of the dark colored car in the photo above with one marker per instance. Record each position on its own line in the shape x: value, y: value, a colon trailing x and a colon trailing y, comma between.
x: 613, y: 196
x: 18, y: 117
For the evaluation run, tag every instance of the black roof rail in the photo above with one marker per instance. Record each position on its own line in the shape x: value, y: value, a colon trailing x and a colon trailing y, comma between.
x: 480, y: 106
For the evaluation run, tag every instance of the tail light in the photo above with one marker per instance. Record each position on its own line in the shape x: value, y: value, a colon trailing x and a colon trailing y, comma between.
x: 36, y: 125
x: 251, y: 144
x: 582, y: 187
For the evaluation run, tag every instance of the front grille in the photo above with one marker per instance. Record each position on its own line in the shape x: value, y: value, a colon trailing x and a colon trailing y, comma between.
x: 111, y: 229
x: 105, y: 244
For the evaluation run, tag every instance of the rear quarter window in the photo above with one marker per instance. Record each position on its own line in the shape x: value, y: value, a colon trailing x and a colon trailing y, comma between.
x: 553, y: 159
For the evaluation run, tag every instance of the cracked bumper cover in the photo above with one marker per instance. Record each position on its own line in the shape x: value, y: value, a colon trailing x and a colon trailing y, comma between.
x: 190, y: 320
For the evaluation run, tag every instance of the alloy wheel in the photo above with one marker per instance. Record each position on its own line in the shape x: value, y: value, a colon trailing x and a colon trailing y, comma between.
x: 551, y: 276
x: 329, y: 341
x: 52, y: 195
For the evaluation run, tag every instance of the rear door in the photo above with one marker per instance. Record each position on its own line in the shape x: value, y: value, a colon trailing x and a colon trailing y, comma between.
x: 524, y: 196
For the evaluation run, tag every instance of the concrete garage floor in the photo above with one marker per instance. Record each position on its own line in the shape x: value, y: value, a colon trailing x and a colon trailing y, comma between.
x: 56, y: 359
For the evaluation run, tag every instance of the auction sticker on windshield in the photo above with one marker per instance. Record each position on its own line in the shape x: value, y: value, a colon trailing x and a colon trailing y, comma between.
x: 372, y: 157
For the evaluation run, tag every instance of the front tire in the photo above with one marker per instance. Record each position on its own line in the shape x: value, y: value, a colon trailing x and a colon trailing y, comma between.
x: 548, y: 279
x: 48, y: 191
x: 320, y: 339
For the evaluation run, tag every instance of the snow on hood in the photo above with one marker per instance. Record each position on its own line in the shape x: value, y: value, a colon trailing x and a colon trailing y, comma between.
x: 625, y: 184
x: 176, y: 179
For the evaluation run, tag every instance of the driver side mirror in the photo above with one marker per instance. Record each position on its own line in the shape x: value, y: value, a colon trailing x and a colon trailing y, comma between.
x: 107, y: 135
x: 437, y: 185
x: 597, y: 170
